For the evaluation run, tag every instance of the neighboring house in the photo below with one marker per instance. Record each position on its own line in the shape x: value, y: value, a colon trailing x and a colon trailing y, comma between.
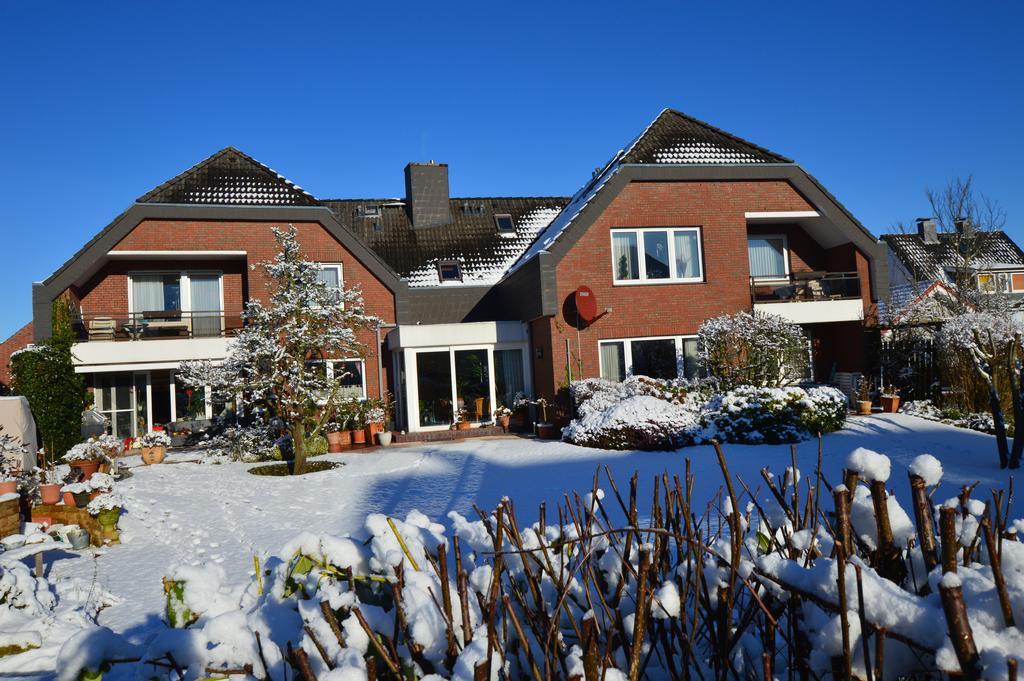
x: 909, y: 306
x: 994, y: 263
x: 19, y: 339
x: 479, y: 296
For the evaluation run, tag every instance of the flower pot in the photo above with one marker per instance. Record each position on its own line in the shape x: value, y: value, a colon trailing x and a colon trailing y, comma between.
x: 50, y: 494
x: 9, y: 487
x: 108, y: 518
x: 87, y: 466
x: 79, y: 539
x: 371, y: 431
x: 463, y: 425
x: 359, y: 437
x: 152, y: 455
x: 336, y: 441
x: 864, y: 407
x: 503, y: 422
x: 384, y: 437
x: 547, y: 431
x: 890, y: 403
x: 82, y: 499
x: 69, y: 499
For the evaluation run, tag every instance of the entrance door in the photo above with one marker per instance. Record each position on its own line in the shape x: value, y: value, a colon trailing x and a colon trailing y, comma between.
x: 434, y: 383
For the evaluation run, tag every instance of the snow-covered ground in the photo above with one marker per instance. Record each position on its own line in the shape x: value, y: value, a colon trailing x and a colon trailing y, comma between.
x: 190, y: 513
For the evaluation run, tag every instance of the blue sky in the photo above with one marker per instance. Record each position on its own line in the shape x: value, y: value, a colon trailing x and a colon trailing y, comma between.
x: 99, y: 102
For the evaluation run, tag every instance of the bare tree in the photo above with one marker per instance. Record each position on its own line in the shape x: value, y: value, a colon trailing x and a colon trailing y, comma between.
x: 971, y: 220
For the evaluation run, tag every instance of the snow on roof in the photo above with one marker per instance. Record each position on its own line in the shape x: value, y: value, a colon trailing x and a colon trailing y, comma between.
x: 993, y: 250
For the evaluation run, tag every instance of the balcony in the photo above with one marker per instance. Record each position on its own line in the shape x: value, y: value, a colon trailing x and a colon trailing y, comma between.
x: 156, y: 325
x: 159, y: 339
x: 810, y: 297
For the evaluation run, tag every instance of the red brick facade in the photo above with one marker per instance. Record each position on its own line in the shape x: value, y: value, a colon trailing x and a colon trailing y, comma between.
x: 106, y: 292
x: 671, y: 309
x: 21, y: 338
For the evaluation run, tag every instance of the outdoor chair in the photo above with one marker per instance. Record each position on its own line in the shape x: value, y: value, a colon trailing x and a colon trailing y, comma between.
x: 102, y: 328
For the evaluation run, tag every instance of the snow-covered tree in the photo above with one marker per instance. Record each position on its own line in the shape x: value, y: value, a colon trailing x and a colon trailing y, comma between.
x: 758, y: 349
x: 268, y: 362
x: 991, y: 344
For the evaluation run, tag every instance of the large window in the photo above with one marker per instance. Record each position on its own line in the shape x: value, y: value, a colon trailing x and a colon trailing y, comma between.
x: 348, y: 372
x: 653, y: 255
x: 666, y: 357
x: 1001, y: 282
x: 159, y: 299
x: 769, y: 258
x: 508, y: 376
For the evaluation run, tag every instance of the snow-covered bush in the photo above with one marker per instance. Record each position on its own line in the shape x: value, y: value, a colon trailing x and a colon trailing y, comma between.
x: 757, y: 349
x: 617, y: 592
x: 157, y: 438
x: 242, y: 443
x: 990, y: 345
x: 925, y: 409
x: 772, y: 415
x: 90, y: 450
x: 643, y: 413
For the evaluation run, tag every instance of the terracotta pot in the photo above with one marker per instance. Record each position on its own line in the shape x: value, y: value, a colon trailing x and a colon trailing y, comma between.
x: 864, y: 407
x: 50, y: 493
x: 8, y: 487
x: 371, y: 431
x: 547, y: 431
x: 69, y: 499
x: 890, y: 403
x: 359, y: 437
x: 87, y: 466
x: 152, y: 455
x: 336, y: 441
x: 503, y: 421
x: 384, y: 437
x: 463, y: 425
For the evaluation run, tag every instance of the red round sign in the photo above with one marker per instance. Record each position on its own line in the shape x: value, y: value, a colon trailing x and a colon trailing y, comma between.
x: 586, y: 304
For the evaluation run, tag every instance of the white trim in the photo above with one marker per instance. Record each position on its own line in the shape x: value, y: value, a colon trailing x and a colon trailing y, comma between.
x: 176, y: 254
x: 459, y: 334
x: 781, y: 214
x: 335, y: 266
x: 669, y: 231
x: 627, y: 351
x: 785, y: 256
x: 816, y: 311
x: 185, y: 288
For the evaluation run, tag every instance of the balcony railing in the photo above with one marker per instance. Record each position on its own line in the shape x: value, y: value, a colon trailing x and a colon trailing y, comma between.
x: 806, y: 286
x: 156, y: 324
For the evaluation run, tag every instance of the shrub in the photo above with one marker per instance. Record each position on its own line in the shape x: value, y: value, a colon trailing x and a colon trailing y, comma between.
x: 825, y: 411
x: 759, y: 349
x: 45, y: 375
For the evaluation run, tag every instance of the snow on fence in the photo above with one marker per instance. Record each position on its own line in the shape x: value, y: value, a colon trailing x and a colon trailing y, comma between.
x: 806, y: 578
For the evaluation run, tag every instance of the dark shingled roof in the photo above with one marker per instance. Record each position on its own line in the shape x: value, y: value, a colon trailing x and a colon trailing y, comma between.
x: 928, y: 262
x: 472, y: 238
x: 230, y: 177
x: 674, y: 137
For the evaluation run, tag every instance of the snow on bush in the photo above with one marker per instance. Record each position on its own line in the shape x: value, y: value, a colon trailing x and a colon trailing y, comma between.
x: 605, y: 594
x: 925, y: 409
x: 757, y: 349
x: 644, y: 413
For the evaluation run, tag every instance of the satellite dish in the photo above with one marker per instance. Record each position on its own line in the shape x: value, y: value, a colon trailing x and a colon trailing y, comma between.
x: 586, y: 304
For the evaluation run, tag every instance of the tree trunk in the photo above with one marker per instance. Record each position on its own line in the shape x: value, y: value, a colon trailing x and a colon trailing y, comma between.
x: 1000, y: 424
x: 1016, y: 372
x: 299, y: 448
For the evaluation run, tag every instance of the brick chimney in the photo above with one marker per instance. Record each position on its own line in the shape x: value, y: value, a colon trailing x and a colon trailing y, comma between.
x: 927, y: 231
x: 426, y: 194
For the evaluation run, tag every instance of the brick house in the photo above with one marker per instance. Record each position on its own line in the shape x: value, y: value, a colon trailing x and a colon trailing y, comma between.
x: 482, y: 297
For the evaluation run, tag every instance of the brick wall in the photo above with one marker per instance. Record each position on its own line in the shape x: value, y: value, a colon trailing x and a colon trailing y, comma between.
x: 673, y: 308
x: 107, y: 291
x: 59, y: 514
x: 21, y: 338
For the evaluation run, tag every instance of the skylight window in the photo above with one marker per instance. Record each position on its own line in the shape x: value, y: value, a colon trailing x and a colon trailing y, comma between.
x: 372, y: 211
x: 449, y: 270
x: 505, y: 224
x: 472, y: 208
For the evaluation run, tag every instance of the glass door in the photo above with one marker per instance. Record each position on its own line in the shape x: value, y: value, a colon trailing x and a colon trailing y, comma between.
x: 115, y: 397
x: 473, y: 384
x: 205, y: 304
x: 434, y: 383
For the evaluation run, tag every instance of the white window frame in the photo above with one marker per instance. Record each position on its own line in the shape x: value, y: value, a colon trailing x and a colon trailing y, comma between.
x: 335, y: 266
x: 785, y: 257
x: 642, y: 260
x: 185, y: 283
x: 627, y: 352
x: 329, y: 363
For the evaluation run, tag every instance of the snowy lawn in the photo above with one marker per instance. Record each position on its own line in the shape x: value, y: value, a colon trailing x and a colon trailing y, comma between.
x: 190, y: 513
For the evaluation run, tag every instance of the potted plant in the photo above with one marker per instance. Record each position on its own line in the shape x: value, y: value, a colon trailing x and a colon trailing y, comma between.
x: 49, y: 490
x: 106, y: 508
x: 864, y: 397
x: 890, y: 399
x: 337, y: 436
x: 503, y: 415
x: 462, y: 420
x: 374, y: 411
x: 86, y: 457
x: 545, y: 429
x: 386, y: 405
x: 77, y: 493
x: 358, y: 423
x: 153, y: 446
x: 8, y: 483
